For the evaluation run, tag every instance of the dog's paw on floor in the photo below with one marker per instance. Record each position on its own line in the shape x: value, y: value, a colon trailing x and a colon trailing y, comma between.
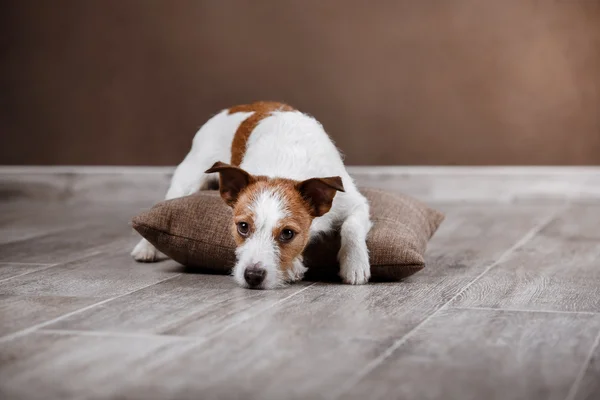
x: 144, y: 251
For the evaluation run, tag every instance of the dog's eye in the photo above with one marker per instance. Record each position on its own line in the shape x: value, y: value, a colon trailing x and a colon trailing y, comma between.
x: 286, y: 235
x: 243, y: 228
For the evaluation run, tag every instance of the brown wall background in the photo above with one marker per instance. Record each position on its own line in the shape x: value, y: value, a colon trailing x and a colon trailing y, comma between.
x: 128, y: 82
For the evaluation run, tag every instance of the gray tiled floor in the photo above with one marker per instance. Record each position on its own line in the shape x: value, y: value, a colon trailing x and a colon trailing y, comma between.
x: 508, y: 306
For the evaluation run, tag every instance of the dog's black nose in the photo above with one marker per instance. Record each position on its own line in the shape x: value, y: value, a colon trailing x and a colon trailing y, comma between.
x: 255, y: 275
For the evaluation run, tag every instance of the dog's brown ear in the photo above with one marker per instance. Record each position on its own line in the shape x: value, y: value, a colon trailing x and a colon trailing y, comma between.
x: 232, y: 180
x: 319, y: 193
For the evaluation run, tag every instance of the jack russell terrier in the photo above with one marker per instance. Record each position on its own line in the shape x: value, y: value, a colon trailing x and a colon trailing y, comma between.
x: 282, y: 182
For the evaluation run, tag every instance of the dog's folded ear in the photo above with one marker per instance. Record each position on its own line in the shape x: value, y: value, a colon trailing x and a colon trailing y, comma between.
x: 232, y: 180
x: 319, y: 193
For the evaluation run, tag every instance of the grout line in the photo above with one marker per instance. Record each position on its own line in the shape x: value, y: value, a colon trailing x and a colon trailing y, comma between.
x: 399, y: 342
x: 67, y: 332
x: 516, y: 310
x: 45, y: 267
x: 33, y: 328
x: 583, y: 370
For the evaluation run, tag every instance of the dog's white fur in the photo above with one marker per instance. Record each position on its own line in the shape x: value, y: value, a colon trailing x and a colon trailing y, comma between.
x: 286, y: 144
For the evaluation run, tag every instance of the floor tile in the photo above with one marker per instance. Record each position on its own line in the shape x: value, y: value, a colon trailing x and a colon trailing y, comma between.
x: 51, y: 366
x: 27, y: 220
x: 22, y: 312
x: 588, y: 388
x: 103, y: 275
x: 482, y: 354
x: 9, y: 270
x: 62, y: 246
x: 559, y: 269
x: 188, y: 305
x: 46, y: 365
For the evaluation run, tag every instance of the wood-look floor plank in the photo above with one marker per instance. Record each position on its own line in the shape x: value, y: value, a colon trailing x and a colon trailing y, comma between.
x: 78, y: 239
x: 50, y: 292
x: 588, y: 387
x: 50, y: 366
x: 579, y: 222
x: 188, y: 305
x: 485, y: 354
x: 268, y: 360
x: 24, y: 220
x: 9, y: 270
x: 559, y: 269
x: 104, y: 275
x: 29, y: 220
x: 466, y: 355
x: 23, y: 312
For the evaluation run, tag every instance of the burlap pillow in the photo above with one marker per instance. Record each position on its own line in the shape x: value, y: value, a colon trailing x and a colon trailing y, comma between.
x: 196, y: 232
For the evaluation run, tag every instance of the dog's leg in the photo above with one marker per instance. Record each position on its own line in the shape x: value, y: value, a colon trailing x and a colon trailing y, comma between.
x: 144, y: 251
x: 353, y: 255
x: 189, y: 177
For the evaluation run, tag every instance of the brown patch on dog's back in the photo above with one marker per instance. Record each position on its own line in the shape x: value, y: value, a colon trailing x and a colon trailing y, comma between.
x: 261, y: 109
x: 261, y: 106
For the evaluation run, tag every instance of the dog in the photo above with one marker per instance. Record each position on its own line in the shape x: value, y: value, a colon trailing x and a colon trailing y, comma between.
x: 286, y: 182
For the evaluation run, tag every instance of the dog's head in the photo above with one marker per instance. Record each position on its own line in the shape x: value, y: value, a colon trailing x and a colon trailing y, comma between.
x: 271, y: 221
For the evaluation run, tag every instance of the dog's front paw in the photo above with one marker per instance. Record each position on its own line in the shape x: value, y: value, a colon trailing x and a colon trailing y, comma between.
x: 356, y: 275
x: 144, y: 251
x: 354, y: 267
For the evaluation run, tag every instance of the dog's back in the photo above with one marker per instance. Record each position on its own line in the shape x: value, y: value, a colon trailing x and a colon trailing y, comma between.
x: 292, y: 145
